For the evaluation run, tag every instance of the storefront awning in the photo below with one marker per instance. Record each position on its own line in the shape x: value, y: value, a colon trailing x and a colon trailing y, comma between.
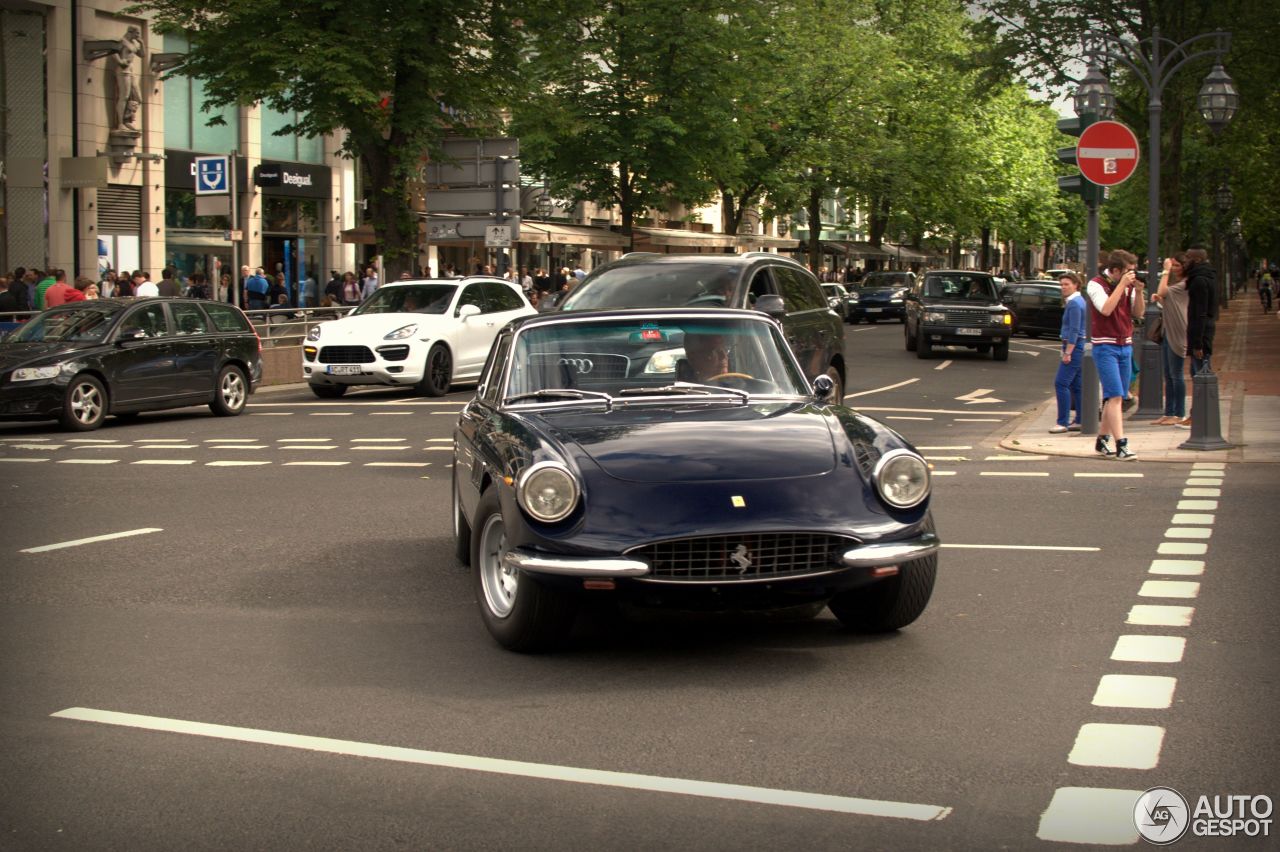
x: 750, y: 241
x: 361, y: 235
x: 867, y: 250
x: 573, y: 235
x: 684, y: 239
x: 905, y: 253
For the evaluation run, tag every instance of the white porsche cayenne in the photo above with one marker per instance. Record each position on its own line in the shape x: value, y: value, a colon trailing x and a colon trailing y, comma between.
x: 428, y: 333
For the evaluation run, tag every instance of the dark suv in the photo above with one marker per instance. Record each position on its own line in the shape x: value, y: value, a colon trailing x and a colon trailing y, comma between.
x: 881, y: 295
x: 770, y: 283
x: 957, y: 308
x: 1036, y: 307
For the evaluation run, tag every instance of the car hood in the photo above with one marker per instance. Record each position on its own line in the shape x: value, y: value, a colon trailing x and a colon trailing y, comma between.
x: 878, y: 292
x: 16, y: 354
x: 700, y: 442
x: 368, y: 326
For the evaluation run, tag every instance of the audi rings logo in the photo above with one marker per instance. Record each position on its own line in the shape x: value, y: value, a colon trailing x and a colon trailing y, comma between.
x: 582, y: 365
x: 1161, y: 815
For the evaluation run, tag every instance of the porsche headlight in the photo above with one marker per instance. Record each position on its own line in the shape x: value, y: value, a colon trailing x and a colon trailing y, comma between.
x: 314, y: 333
x: 664, y: 361
x: 902, y: 478
x: 547, y: 491
x: 402, y: 333
x: 31, y: 374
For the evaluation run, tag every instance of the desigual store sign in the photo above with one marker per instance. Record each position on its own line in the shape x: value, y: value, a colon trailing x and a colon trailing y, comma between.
x: 296, y: 179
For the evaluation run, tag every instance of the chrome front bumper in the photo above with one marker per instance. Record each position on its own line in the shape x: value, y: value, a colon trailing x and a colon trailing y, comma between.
x: 891, y: 553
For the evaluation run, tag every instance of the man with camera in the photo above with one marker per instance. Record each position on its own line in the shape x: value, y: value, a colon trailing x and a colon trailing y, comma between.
x: 1113, y: 298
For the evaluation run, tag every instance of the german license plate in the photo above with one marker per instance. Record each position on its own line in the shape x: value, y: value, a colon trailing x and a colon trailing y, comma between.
x: 344, y: 369
x: 972, y: 331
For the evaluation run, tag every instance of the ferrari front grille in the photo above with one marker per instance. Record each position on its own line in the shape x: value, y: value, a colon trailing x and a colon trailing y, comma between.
x: 746, y: 556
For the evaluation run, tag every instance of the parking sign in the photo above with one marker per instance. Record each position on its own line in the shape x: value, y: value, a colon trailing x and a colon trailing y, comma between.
x: 211, y: 175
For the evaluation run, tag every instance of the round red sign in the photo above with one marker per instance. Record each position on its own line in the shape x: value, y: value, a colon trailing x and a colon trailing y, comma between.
x: 1107, y: 153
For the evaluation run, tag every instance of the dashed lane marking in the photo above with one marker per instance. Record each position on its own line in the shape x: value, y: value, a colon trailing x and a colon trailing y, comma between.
x: 358, y: 404
x: 1182, y: 548
x: 1182, y: 567
x: 1188, y: 532
x: 87, y: 461
x: 1117, y: 746
x: 397, y: 464
x: 235, y: 463
x: 231, y: 440
x: 165, y: 461
x: 1169, y: 589
x: 896, y: 417
x: 91, y: 440
x: 332, y: 413
x: 978, y: 420
x: 1195, y: 482
x: 376, y: 440
x: 944, y: 365
x: 23, y: 460
x: 36, y: 446
x: 1109, y: 475
x: 388, y: 413
x: 945, y: 458
x: 1090, y: 815
x: 1013, y: 473
x: 173, y: 447
x: 1022, y: 547
x: 303, y: 440
x: 942, y: 473
x: 7, y: 440
x: 310, y: 447
x: 271, y: 413
x: 543, y: 771
x: 164, y: 440
x: 1149, y: 649
x: 1188, y: 519
x: 1197, y: 505
x: 942, y: 411
x: 1157, y: 615
x: 1146, y: 692
x: 237, y: 446
x: 44, y: 548
x: 108, y: 446
x: 385, y: 449
x: 1016, y: 457
x: 316, y: 464
x: 1202, y: 492
x: 955, y: 447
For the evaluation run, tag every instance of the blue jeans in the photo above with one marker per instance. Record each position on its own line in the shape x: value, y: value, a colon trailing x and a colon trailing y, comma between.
x: 1067, y: 385
x: 1175, y: 386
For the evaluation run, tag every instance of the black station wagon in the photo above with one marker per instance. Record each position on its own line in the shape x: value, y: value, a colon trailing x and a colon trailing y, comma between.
x: 79, y: 362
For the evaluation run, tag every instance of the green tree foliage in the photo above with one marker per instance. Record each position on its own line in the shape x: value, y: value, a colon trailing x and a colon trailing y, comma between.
x: 398, y: 75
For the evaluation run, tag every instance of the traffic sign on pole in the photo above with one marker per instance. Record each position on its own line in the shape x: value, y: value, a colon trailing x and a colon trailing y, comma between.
x: 212, y: 176
x: 1107, y: 153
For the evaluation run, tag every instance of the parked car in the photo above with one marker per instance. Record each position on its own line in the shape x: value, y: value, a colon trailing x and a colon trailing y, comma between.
x: 881, y: 295
x: 79, y: 362
x: 1035, y: 306
x: 837, y: 299
x: 954, y: 307
x: 679, y: 458
x: 426, y: 333
x: 771, y: 283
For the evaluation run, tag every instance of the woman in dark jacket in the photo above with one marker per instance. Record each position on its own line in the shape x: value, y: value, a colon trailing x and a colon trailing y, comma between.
x: 1202, y: 309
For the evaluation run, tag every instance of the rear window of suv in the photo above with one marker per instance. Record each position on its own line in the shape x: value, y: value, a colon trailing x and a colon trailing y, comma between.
x: 225, y: 317
x: 969, y: 288
x: 652, y: 285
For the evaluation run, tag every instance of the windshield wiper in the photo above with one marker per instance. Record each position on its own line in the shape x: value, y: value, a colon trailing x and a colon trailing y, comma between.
x: 562, y: 393
x: 687, y: 388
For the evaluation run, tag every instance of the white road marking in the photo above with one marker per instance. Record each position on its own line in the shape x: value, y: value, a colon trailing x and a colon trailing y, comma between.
x: 1016, y: 457
x: 1022, y: 547
x: 163, y: 440
x: 23, y: 460
x: 235, y: 463
x: 1149, y: 649
x: 316, y: 464
x: 1090, y: 815
x: 332, y: 413
x: 7, y: 440
x: 1109, y: 475
x: 896, y: 417
x: 1033, y: 354
x: 1187, y: 520
x: 1194, y: 505
x: 397, y: 464
x: 945, y: 458
x: 438, y: 440
x: 1182, y: 548
x: 91, y: 440
x: 942, y: 473
x: 36, y: 446
x: 1202, y: 492
x: 357, y: 403
x: 544, y: 771
x: 87, y: 461
x: 1188, y: 532
x: 1013, y: 473
x: 91, y: 540
x: 978, y: 420
x: 880, y: 390
x: 956, y: 447
x: 1209, y: 466
x: 1155, y: 615
x: 377, y: 440
x: 1149, y: 692
x: 979, y: 397
x: 944, y: 365
x: 1196, y: 482
x: 1169, y: 589
x: 391, y: 449
x: 444, y: 449
x: 168, y: 447
x: 106, y: 446
x: 303, y: 440
x: 1117, y: 746
x: 311, y: 447
x: 387, y: 413
x: 1184, y: 567
x: 238, y: 446
x: 272, y: 413
x: 166, y: 461
x: 230, y: 440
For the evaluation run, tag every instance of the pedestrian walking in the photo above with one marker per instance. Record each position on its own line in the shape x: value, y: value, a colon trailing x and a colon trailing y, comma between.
x: 256, y: 288
x: 168, y: 285
x: 350, y: 289
x: 370, y: 284
x: 1068, y: 383
x: 1202, y: 310
x: 1172, y: 298
x: 1110, y: 299
x: 143, y: 286
x: 1266, y: 286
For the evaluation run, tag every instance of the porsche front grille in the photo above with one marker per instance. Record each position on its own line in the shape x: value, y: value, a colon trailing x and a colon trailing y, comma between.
x: 751, y: 556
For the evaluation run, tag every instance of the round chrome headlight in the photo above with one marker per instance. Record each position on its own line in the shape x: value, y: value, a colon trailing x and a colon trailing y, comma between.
x: 547, y: 491
x: 902, y: 478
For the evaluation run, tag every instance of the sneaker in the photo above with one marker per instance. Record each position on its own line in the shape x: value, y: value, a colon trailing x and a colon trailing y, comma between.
x: 1102, y: 446
x: 1123, y: 453
x: 1057, y: 429
x: 1074, y: 427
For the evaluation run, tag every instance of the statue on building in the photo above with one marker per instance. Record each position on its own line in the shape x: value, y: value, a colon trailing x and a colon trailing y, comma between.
x: 128, y: 104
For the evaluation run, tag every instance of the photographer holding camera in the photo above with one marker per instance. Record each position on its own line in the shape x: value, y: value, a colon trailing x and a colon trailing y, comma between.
x: 1113, y: 298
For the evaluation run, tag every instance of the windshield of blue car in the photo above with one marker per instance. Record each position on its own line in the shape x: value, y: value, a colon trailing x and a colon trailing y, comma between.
x: 970, y: 288
x: 409, y: 299
x: 654, y: 285
x: 67, y: 325
x: 640, y: 358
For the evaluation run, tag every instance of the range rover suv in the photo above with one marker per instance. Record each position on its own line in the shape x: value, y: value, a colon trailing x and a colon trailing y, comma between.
x: 957, y: 308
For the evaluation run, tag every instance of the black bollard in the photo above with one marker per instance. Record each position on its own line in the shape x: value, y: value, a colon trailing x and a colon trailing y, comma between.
x: 1151, y: 377
x: 1206, y: 419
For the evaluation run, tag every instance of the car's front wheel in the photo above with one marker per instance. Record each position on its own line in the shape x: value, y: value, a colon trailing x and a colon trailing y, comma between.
x: 910, y: 338
x: 890, y: 603
x: 1000, y: 352
x: 923, y: 347
x: 85, y: 405
x: 328, y: 391
x: 439, y: 372
x: 518, y: 611
x: 231, y: 392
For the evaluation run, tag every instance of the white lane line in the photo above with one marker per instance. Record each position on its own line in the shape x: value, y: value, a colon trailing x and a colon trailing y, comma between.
x: 271, y: 413
x: 1182, y: 548
x: 1095, y: 815
x: 1204, y: 466
x: 91, y: 440
x: 377, y: 440
x: 1202, y: 482
x: 444, y: 449
x: 237, y: 446
x: 1016, y: 457
x: 945, y: 458
x: 880, y: 390
x: 1013, y: 473
x: 1149, y: 649
x: 91, y: 540
x: 235, y: 463
x: 1148, y: 692
x: 1197, y: 505
x: 439, y: 440
x: 230, y: 440
x: 1183, y: 567
x: 1169, y: 589
x: 303, y: 440
x: 1155, y: 615
x: 8, y: 440
x: 311, y: 447
x: 978, y: 420
x: 519, y: 768
x: 940, y: 411
x: 87, y: 461
x: 1188, y: 532
x: 36, y: 446
x: 23, y: 460
x: 166, y: 461
x: 385, y: 449
x: 108, y: 446
x: 942, y: 473
x: 944, y: 365
x: 1189, y: 519
x: 387, y: 413
x: 168, y: 446
x: 896, y: 417
x: 161, y: 440
x: 397, y: 464
x: 1202, y: 492
x: 332, y: 413
x: 1108, y: 475
x: 316, y: 464
x: 955, y: 447
x: 1022, y: 547
x: 1117, y: 746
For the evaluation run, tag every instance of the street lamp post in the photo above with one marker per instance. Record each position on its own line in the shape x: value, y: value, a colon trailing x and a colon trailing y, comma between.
x: 1224, y: 199
x: 1154, y: 62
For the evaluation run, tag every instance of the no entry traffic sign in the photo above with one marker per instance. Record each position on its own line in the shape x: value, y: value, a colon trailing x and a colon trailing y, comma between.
x: 1107, y: 153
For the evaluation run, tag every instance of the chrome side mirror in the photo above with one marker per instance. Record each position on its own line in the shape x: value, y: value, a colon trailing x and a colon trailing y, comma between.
x: 822, y: 387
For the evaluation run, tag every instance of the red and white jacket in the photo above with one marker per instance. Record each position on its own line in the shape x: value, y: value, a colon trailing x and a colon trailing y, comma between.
x: 1117, y: 329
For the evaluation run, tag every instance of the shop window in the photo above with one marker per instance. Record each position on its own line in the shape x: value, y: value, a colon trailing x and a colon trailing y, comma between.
x: 180, y: 212
x: 290, y: 147
x: 186, y: 125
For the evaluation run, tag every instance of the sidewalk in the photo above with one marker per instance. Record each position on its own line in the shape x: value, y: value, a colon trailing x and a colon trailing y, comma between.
x: 1247, y: 360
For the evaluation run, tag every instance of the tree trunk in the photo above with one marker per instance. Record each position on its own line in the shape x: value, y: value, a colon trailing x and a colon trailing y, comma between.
x: 393, y: 226
x: 625, y: 200
x: 955, y: 252
x: 984, y: 256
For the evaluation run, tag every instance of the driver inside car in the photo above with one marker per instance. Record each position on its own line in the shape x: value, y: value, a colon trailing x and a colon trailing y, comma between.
x: 705, y: 357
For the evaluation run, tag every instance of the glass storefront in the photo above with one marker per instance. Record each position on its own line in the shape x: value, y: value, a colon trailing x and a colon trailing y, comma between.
x: 293, y: 244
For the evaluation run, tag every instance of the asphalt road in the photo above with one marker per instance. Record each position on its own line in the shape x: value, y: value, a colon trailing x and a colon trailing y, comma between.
x: 289, y: 577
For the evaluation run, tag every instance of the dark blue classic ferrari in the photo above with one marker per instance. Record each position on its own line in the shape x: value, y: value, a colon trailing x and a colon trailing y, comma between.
x: 678, y: 458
